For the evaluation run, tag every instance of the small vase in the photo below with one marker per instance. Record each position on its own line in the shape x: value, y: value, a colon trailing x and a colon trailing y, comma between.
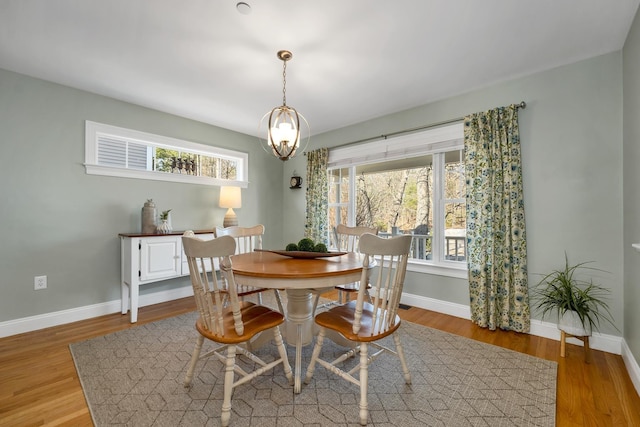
x: 164, y: 227
x: 149, y: 217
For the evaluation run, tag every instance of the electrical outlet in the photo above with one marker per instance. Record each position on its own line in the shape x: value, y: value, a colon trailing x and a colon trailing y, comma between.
x: 39, y: 282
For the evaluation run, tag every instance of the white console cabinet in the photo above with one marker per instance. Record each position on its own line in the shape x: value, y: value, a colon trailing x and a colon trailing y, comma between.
x: 149, y: 258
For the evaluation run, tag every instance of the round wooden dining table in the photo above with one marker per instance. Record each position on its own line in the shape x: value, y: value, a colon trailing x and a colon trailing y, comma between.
x: 298, y: 276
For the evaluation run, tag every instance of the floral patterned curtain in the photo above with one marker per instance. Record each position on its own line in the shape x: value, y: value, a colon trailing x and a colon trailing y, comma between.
x: 497, y: 245
x: 317, y: 195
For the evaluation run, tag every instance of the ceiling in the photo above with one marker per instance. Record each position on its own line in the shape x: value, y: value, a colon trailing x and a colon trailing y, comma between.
x: 352, y: 60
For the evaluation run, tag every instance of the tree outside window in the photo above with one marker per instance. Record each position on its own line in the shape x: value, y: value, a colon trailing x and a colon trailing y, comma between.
x: 422, y: 195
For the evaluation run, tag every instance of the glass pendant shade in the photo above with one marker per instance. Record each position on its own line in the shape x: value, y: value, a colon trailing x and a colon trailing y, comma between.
x: 283, y: 135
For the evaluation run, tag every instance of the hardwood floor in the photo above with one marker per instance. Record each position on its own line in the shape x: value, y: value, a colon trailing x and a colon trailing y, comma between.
x: 39, y: 384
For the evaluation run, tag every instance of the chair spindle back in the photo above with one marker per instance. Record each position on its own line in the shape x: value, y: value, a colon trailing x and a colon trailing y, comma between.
x: 347, y: 238
x: 385, y: 266
x: 208, y: 285
x: 247, y: 238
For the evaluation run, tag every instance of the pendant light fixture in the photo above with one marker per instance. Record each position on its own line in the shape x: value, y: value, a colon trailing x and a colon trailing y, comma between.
x: 283, y: 133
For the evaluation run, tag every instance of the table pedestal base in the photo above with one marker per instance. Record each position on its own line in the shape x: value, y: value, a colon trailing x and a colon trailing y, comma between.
x: 299, y: 327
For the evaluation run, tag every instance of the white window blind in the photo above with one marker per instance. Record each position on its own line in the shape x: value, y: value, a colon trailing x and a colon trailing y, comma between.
x: 122, y: 154
x: 434, y: 140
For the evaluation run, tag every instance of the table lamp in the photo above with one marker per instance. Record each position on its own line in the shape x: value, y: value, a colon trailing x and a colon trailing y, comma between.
x: 230, y: 197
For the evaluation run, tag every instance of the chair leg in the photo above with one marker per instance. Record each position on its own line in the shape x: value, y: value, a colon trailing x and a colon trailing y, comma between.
x: 314, y: 356
x: 403, y: 362
x: 364, y: 380
x: 368, y: 295
x: 315, y: 303
x: 259, y: 297
x: 317, y: 294
x: 228, y: 385
x: 279, y: 301
x: 194, y: 360
x: 283, y: 354
x: 225, y: 299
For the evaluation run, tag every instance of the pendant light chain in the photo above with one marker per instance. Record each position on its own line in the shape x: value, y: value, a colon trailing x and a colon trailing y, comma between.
x: 284, y: 82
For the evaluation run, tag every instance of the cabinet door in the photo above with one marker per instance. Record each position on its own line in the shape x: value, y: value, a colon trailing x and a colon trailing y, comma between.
x: 160, y: 258
x: 185, y: 264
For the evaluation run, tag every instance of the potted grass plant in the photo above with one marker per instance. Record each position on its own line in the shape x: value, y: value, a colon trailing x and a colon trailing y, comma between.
x: 164, y: 227
x: 580, y: 304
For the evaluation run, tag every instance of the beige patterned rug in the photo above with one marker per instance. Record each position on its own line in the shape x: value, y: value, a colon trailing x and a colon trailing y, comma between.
x: 134, y: 378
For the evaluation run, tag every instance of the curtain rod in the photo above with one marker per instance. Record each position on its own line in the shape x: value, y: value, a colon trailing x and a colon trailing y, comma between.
x: 522, y: 105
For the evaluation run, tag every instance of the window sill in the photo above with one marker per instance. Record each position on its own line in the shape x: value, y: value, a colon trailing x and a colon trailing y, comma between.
x: 449, y: 269
x: 92, y: 169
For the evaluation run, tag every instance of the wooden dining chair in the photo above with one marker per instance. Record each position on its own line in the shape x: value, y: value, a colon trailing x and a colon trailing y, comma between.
x: 346, y: 239
x: 210, y: 269
x: 248, y: 239
x: 363, y: 323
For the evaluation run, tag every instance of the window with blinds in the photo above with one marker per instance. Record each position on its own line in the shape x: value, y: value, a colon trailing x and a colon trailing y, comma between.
x: 114, y: 151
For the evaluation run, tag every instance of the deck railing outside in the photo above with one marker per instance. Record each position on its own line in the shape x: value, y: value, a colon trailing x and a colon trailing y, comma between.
x: 455, y: 246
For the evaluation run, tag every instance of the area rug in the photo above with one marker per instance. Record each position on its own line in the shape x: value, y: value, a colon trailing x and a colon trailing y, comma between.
x: 135, y: 378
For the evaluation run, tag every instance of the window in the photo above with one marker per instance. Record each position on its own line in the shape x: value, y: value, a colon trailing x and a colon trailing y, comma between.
x: 410, y: 184
x: 115, y: 151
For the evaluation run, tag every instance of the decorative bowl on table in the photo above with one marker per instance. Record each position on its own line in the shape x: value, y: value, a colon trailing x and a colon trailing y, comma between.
x: 307, y: 248
x: 306, y: 254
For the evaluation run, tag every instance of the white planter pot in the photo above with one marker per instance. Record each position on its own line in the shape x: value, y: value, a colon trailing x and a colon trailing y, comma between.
x: 571, y: 324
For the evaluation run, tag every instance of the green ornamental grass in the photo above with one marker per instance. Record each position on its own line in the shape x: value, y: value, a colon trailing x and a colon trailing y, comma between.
x: 562, y: 290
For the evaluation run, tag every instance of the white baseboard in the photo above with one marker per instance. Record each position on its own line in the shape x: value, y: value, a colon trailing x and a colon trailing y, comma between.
x: 632, y: 366
x: 47, y: 320
x: 445, y: 307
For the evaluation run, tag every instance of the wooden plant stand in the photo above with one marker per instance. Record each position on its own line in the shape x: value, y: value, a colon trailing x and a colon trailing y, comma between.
x: 584, y: 339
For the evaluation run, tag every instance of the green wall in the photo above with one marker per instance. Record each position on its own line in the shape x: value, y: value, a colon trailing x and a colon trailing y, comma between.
x: 60, y: 222
x: 571, y: 133
x: 631, y: 149
x: 64, y: 223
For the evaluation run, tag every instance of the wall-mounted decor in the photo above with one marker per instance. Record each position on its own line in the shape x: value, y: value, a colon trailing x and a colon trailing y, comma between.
x: 296, y: 181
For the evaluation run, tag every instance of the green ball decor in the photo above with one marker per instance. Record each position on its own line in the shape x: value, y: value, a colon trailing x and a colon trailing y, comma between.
x: 306, y: 245
x: 291, y: 247
x: 320, y: 247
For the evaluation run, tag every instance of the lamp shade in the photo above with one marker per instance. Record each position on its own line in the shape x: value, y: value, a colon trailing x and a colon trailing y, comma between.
x: 230, y: 197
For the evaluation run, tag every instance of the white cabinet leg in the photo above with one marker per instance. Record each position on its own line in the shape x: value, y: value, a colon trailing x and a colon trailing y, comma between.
x: 124, y: 295
x: 135, y: 291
